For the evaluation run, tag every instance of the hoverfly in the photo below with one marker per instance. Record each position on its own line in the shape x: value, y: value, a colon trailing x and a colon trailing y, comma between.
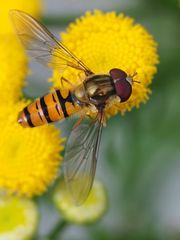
x: 96, y: 90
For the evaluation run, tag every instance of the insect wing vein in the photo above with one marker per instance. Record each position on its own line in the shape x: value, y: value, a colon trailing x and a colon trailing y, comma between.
x: 37, y: 39
x: 80, y: 159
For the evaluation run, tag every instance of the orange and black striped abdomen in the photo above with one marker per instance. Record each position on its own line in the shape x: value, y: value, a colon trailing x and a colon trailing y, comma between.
x: 52, y: 107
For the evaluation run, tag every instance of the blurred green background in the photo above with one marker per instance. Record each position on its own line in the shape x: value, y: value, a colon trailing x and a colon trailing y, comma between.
x: 140, y: 153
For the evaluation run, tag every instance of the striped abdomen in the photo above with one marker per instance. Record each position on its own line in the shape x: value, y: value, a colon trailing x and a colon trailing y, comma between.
x: 49, y: 108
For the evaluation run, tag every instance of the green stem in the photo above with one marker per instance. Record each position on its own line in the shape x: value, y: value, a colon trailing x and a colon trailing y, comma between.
x: 57, y: 229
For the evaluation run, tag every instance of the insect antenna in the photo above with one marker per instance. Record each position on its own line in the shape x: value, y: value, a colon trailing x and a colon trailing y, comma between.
x: 132, y: 76
x: 134, y: 81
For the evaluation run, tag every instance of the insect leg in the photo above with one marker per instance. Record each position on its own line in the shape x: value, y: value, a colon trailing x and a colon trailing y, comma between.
x: 63, y: 79
x: 79, y: 121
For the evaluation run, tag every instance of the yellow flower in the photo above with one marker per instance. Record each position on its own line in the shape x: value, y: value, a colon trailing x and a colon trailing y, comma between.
x: 29, y: 158
x: 32, y: 7
x: 18, y: 218
x: 92, y: 209
x: 13, y: 68
x: 106, y: 40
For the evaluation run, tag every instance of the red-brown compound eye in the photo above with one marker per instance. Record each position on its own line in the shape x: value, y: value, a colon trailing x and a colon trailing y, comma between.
x: 117, y: 74
x: 122, y: 86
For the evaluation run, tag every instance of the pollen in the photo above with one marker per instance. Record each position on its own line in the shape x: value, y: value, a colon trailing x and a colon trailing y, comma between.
x: 33, y: 7
x: 29, y: 158
x: 108, y: 40
x: 18, y: 218
x: 13, y: 68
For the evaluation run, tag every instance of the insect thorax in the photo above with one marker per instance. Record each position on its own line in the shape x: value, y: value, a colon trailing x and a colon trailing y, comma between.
x: 96, y: 90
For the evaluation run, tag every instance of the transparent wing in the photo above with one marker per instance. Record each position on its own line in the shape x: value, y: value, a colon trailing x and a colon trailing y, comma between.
x: 80, y: 159
x: 42, y: 45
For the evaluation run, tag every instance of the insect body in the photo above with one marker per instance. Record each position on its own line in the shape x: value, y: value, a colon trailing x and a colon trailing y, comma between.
x: 49, y: 108
x: 95, y: 91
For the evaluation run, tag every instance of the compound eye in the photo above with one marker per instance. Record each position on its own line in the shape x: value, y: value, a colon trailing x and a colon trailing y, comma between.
x: 117, y: 74
x: 122, y: 87
x: 123, y: 90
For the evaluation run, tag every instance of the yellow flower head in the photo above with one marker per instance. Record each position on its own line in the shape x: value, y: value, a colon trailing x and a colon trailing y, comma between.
x: 106, y: 40
x: 29, y: 158
x: 92, y: 209
x: 18, y: 218
x: 13, y: 68
x: 32, y: 7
